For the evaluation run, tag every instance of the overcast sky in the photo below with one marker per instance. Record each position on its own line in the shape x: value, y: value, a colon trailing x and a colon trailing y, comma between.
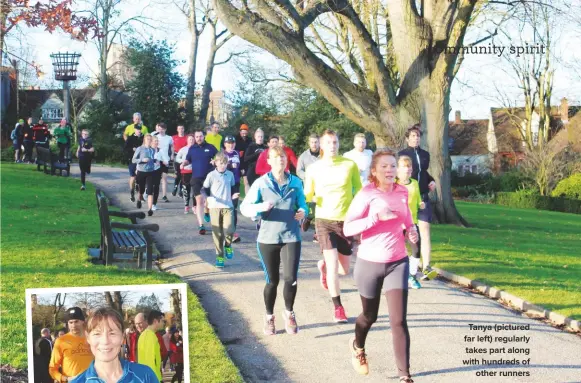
x: 474, y: 91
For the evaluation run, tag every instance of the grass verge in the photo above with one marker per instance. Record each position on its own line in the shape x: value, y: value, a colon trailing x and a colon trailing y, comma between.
x: 533, y: 254
x: 47, y: 225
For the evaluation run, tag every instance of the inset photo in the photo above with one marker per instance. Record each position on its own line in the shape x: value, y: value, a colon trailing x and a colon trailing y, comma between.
x: 108, y: 333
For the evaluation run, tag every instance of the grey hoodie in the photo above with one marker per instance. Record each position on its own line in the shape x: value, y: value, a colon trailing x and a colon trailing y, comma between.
x: 305, y: 160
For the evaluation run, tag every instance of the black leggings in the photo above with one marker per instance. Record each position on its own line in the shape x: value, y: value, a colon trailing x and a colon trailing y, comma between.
x: 63, y: 150
x: 85, y: 167
x: 179, y: 374
x: 178, y: 173
x: 145, y: 182
x: 156, y: 182
x: 28, y: 146
x: 271, y: 255
x: 397, y: 306
x: 187, y: 188
x: 416, y: 247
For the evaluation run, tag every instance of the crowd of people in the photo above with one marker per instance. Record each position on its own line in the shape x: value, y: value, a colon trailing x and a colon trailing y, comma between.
x: 373, y: 203
x: 101, y: 348
x: 28, y: 135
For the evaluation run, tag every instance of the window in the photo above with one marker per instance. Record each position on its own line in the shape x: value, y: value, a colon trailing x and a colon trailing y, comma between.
x: 52, y: 114
x: 464, y: 169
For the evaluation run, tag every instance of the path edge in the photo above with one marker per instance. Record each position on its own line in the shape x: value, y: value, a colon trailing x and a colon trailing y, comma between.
x: 527, y: 307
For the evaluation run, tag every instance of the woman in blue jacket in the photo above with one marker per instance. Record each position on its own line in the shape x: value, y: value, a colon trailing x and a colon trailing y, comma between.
x: 278, y: 199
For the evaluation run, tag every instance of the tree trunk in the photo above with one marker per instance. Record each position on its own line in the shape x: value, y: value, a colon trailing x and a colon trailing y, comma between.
x: 436, y: 108
x: 207, y: 88
x: 175, y: 296
x: 192, y: 60
x: 115, y: 301
x: 103, y: 48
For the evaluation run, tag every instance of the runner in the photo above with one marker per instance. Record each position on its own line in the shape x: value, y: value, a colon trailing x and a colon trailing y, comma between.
x: 404, y: 172
x: 200, y: 156
x: 309, y: 156
x: 214, y: 137
x: 137, y: 123
x: 378, y: 213
x: 242, y: 143
x: 166, y: 146
x: 161, y: 162
x: 332, y: 182
x: 63, y: 138
x: 17, y: 137
x: 292, y: 157
x: 262, y: 166
x: 85, y: 155
x: 177, y: 356
x: 279, y: 199
x: 251, y: 155
x: 71, y: 353
x: 130, y: 145
x: 219, y: 191
x: 179, y: 141
x: 149, y: 351
x: 234, y: 165
x: 361, y: 156
x: 105, y: 337
x: 186, y: 172
x: 28, y: 141
x: 41, y: 135
x: 144, y: 158
x: 421, y: 163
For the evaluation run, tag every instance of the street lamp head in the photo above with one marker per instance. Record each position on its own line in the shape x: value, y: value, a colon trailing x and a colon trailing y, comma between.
x: 65, y: 65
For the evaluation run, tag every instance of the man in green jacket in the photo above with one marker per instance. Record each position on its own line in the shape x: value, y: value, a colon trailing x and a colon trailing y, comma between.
x: 63, y: 139
x: 148, y: 347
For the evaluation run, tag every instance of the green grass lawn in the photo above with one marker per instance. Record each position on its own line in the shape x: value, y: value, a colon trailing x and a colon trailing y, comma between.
x: 47, y: 226
x: 533, y: 254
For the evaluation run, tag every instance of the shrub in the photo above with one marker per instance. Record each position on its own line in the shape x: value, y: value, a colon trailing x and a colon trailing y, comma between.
x: 530, y: 199
x: 569, y: 187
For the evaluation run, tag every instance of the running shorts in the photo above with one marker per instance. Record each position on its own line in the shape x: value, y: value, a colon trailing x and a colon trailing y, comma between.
x: 330, y: 236
x: 373, y: 278
x: 164, y: 169
x: 197, y: 184
x: 426, y: 213
x: 132, y: 169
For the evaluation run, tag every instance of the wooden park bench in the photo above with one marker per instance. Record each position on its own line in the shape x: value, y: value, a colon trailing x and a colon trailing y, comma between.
x: 128, y: 238
x: 48, y: 159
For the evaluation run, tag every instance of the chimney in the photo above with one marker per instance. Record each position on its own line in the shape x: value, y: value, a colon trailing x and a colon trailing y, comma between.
x: 564, y: 110
x: 458, y: 119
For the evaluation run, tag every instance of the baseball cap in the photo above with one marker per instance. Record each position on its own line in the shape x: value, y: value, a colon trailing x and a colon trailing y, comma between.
x: 243, y: 127
x: 75, y: 313
x: 229, y: 139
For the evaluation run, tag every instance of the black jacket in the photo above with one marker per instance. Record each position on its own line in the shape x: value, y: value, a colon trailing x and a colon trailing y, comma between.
x: 421, y: 163
x: 27, y: 132
x: 251, y: 157
x: 132, y: 142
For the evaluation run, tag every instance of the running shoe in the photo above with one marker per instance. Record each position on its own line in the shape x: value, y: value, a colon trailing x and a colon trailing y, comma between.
x: 150, y: 213
x: 358, y: 358
x: 180, y: 194
x: 413, y: 283
x: 132, y: 197
x: 340, y: 316
x: 269, y: 328
x: 290, y: 322
x: 220, y: 262
x: 139, y: 204
x: 186, y: 209
x: 164, y: 199
x: 228, y: 252
x: 323, y: 274
x: 406, y: 379
x: 429, y: 273
x: 82, y: 187
x: 207, y: 217
x: 154, y: 208
x: 306, y: 224
x: 175, y: 191
x: 202, y: 230
x: 236, y: 238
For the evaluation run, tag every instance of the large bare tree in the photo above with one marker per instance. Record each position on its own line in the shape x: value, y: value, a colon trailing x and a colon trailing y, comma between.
x: 391, y: 64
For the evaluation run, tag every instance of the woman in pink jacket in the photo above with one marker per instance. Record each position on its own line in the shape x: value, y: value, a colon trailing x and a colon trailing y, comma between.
x: 380, y: 212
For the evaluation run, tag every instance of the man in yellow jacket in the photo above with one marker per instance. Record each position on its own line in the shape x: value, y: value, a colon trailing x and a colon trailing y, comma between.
x: 71, y: 354
x: 214, y: 137
x: 148, y: 347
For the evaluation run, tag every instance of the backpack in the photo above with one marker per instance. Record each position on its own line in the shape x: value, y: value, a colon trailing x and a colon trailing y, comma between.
x: 14, y: 134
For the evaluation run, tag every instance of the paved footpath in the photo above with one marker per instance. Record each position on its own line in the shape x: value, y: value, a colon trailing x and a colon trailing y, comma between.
x: 439, y: 315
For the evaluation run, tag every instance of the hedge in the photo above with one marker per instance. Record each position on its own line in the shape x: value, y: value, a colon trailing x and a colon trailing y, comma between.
x: 526, y: 199
x: 569, y: 187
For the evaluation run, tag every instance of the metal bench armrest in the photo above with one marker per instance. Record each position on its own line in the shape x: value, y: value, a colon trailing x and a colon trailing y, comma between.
x: 129, y: 226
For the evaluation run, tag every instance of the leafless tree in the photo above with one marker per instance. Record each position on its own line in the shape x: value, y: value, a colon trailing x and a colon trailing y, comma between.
x: 385, y: 64
x: 57, y: 307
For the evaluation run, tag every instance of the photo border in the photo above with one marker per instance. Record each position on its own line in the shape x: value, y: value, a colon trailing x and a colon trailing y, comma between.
x: 182, y: 287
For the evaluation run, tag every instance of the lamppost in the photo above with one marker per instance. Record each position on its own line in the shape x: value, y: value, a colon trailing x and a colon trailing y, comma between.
x: 65, y: 70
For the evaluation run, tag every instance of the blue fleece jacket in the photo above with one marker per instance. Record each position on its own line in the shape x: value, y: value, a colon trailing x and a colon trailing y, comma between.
x: 278, y: 224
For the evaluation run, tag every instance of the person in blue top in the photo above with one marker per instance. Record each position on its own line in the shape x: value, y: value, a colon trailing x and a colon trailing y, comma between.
x: 201, y: 156
x: 105, y: 337
x: 278, y: 198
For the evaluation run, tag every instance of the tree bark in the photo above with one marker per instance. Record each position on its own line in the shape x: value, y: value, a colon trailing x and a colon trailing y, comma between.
x: 192, y: 61
x: 176, y: 298
x: 207, y: 88
x: 103, y: 52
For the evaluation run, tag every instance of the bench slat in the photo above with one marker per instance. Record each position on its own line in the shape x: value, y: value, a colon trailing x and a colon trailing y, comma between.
x: 118, y: 242
x: 121, y: 240
x: 138, y: 238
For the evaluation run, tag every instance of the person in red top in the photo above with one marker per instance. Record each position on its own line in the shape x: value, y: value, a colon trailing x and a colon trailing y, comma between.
x: 262, y: 166
x: 41, y: 134
x: 179, y: 141
x: 176, y: 345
